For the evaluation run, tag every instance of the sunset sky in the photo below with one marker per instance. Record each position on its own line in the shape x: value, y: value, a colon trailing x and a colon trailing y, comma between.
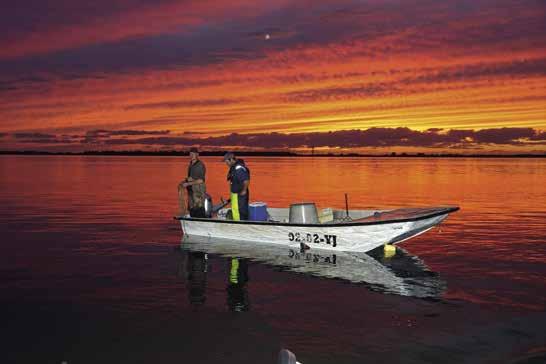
x: 366, y: 76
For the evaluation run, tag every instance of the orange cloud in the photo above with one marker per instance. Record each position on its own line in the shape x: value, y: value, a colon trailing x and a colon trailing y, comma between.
x: 339, y: 67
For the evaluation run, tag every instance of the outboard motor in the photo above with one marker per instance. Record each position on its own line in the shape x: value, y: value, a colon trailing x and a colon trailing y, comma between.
x: 208, y: 205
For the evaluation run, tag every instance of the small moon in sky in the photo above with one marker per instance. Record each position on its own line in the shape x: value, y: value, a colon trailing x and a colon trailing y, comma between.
x: 267, y: 36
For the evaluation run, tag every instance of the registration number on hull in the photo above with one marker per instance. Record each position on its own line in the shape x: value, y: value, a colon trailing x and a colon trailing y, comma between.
x: 313, y: 238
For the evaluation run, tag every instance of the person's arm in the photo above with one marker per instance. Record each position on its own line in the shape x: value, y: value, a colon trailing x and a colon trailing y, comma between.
x: 190, y: 182
x: 245, y: 178
x: 246, y: 182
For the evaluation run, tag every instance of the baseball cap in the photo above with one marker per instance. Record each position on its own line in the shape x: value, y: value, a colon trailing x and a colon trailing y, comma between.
x: 228, y: 155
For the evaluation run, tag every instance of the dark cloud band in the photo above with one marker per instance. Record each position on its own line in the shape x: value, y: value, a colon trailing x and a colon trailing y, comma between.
x: 373, y: 137
x: 357, y: 138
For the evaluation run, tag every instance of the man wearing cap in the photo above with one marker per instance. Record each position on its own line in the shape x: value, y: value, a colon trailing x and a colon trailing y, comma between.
x: 195, y: 185
x: 239, y: 179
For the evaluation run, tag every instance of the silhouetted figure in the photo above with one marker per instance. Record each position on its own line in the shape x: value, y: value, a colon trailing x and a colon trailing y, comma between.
x: 194, y: 184
x: 239, y: 179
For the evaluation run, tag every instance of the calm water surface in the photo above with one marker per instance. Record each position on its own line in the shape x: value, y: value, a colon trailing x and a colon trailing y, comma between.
x: 93, y: 269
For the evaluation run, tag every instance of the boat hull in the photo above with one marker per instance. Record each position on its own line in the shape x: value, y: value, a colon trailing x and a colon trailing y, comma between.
x: 351, y: 236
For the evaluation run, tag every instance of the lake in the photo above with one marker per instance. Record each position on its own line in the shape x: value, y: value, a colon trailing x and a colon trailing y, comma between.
x: 93, y: 269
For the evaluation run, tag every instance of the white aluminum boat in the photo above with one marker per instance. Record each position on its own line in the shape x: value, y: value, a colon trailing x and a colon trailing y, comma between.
x: 359, y: 231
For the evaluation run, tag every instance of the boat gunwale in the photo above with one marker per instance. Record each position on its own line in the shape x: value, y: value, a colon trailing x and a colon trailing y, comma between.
x: 446, y: 210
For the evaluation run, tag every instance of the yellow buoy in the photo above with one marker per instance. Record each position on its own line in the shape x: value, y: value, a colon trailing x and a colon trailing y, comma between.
x: 389, y: 250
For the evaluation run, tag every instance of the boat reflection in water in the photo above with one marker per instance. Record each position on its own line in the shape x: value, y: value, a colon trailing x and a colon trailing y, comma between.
x: 395, y: 272
x: 194, y: 268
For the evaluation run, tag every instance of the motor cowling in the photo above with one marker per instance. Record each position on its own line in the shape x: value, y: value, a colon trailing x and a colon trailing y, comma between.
x: 208, y: 205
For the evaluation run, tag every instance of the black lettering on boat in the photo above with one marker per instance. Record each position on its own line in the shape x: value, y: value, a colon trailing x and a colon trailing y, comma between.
x: 331, y: 240
x: 312, y: 257
x: 313, y: 238
x: 330, y: 259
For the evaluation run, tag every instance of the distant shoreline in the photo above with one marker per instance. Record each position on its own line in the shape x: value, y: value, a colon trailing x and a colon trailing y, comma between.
x: 272, y: 154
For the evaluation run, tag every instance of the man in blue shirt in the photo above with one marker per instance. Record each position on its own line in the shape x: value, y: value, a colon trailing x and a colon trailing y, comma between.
x: 239, y: 180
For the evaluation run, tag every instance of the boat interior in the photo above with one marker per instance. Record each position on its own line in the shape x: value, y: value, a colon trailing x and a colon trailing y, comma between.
x: 326, y: 215
x: 275, y: 214
x: 333, y: 216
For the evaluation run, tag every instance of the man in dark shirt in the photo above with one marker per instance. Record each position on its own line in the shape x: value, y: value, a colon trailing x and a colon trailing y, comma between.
x: 239, y: 180
x: 195, y: 185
